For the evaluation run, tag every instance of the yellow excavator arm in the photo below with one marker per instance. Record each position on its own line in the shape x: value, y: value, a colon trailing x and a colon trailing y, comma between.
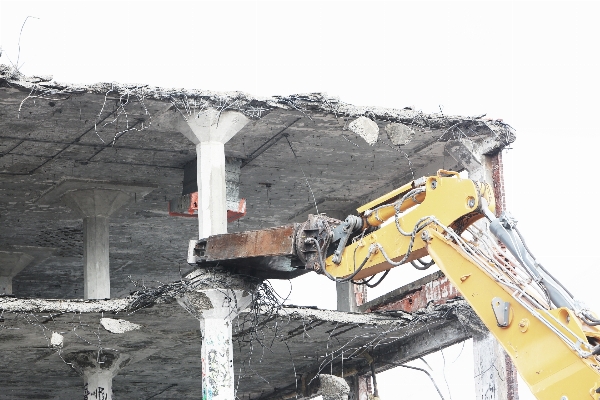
x: 551, y: 339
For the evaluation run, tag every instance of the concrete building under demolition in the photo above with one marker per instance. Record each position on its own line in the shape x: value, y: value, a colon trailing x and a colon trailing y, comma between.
x: 102, y: 188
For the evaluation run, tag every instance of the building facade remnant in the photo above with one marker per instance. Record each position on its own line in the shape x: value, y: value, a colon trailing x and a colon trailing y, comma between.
x: 64, y: 144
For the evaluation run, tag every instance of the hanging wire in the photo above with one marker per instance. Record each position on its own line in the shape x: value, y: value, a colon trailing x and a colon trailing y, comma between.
x: 305, y: 178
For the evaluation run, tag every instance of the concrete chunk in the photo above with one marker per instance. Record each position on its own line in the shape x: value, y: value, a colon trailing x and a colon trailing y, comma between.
x: 333, y: 387
x: 56, y: 340
x: 118, y: 325
x: 366, y: 129
x: 399, y: 134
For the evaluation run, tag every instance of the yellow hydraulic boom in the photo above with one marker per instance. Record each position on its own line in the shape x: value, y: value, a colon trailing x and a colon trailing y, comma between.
x: 551, y: 339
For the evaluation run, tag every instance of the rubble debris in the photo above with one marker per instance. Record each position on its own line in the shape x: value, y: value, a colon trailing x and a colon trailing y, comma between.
x: 366, y: 129
x: 118, y: 325
x: 195, y: 299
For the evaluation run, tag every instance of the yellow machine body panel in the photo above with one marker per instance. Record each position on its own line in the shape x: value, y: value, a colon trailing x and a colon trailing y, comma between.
x: 549, y: 367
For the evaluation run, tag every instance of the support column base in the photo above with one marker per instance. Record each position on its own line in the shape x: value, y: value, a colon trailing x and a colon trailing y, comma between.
x: 216, y: 298
x: 98, y: 370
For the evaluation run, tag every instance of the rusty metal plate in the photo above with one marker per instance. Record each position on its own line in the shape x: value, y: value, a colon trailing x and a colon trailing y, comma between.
x: 266, y: 253
x: 277, y: 241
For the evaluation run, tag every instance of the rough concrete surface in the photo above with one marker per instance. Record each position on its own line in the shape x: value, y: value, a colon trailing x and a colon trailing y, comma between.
x: 51, y: 131
x: 333, y: 387
x: 366, y: 129
x: 399, y: 134
x: 271, y: 352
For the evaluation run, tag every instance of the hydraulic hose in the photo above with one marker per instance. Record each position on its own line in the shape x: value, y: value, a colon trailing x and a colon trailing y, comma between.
x: 540, y: 265
x: 423, y: 265
x: 327, y: 274
x: 518, y: 250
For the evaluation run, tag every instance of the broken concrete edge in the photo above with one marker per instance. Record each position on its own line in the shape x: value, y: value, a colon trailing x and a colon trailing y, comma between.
x: 132, y: 303
x: 435, y: 327
x: 96, y: 360
x: 194, y: 282
x: 310, y: 314
x: 128, y: 304
x: 16, y: 305
x: 255, y: 108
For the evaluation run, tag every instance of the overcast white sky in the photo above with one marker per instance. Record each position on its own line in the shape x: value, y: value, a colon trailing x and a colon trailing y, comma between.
x: 534, y: 64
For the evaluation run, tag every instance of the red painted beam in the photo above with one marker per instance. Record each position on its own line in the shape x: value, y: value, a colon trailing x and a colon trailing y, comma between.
x: 434, y: 288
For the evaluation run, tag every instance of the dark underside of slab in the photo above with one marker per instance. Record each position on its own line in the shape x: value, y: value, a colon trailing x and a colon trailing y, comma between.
x: 275, y: 354
x: 296, y: 152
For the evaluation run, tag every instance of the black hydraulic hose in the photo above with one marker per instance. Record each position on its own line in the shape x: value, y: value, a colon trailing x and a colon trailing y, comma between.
x: 367, y: 282
x: 540, y: 265
x: 327, y: 274
x: 363, y: 281
x: 423, y: 265
x: 420, y: 267
x: 516, y: 247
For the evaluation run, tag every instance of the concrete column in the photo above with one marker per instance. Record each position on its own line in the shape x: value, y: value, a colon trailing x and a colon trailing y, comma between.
x: 212, y: 200
x: 216, y: 301
x: 95, y: 202
x: 14, y: 259
x: 11, y: 263
x: 360, y: 389
x: 345, y: 297
x: 217, y: 345
x: 98, y: 370
x: 97, y: 384
x: 349, y: 298
x: 95, y: 206
x: 209, y: 130
x: 495, y: 374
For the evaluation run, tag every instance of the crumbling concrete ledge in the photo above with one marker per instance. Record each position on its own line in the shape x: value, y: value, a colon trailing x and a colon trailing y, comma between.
x: 315, y: 314
x: 257, y: 107
x: 11, y: 304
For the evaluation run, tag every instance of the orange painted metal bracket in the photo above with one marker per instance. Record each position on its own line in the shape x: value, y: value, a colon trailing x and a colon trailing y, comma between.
x: 234, y: 215
x: 192, y: 210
